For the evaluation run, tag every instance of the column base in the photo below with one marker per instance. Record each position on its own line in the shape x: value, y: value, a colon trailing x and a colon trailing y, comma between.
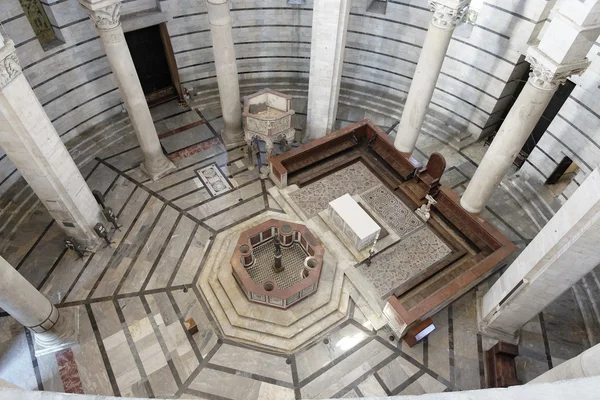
x: 232, y: 144
x: 468, y: 208
x: 63, y: 335
x: 157, y: 173
x: 485, y: 329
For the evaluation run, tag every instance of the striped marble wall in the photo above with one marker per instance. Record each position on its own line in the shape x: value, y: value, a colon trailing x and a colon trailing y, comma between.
x: 74, y: 83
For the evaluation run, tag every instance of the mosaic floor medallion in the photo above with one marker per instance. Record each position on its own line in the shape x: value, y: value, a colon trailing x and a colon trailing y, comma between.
x: 213, y: 179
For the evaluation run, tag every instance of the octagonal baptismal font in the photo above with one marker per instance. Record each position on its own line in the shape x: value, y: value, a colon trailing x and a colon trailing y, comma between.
x: 278, y: 263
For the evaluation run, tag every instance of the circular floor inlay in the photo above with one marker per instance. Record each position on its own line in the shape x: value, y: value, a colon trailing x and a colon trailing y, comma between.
x: 209, y: 173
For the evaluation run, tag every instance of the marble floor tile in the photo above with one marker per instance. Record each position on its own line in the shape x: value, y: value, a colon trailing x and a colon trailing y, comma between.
x: 371, y: 388
x: 346, y: 371
x: 320, y: 354
x: 226, y: 385
x: 165, y: 268
x: 252, y: 361
x: 396, y: 373
x: 91, y: 368
x: 189, y: 306
x: 186, y: 138
x: 425, y: 384
x: 466, y: 356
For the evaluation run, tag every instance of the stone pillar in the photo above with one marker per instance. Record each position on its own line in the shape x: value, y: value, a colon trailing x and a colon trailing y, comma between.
x: 106, y: 16
x: 30, y: 141
x: 581, y: 366
x: 328, y: 42
x: 53, y: 331
x: 560, y: 54
x: 227, y: 74
x: 446, y: 15
x: 563, y: 252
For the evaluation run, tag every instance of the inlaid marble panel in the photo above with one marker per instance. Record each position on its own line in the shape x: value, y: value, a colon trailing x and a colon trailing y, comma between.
x: 354, y: 179
x: 403, y: 261
x: 213, y: 179
x: 392, y: 210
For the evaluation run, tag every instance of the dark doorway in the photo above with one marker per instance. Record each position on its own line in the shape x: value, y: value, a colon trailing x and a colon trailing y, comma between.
x: 562, y: 176
x: 152, y: 58
x: 560, y: 170
x: 559, y: 98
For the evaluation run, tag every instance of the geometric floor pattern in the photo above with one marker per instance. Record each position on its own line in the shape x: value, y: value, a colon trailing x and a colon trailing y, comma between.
x: 414, y: 254
x: 134, y: 296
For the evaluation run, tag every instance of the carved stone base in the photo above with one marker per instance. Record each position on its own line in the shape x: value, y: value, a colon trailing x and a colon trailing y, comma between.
x: 157, y: 173
x: 63, y: 335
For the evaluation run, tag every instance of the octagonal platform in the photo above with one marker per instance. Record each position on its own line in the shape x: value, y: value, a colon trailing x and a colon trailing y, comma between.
x: 300, y: 255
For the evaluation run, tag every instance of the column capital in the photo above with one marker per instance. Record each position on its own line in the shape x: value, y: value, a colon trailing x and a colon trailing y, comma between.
x: 9, y: 63
x: 448, y: 13
x: 106, y: 14
x: 547, y: 74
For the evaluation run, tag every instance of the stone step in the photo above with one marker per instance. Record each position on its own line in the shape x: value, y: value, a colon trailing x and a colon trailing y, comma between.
x: 329, y: 286
x: 272, y: 342
x: 258, y: 324
x: 374, y: 316
x: 88, y: 149
x: 212, y: 273
x: 547, y: 200
x: 525, y: 200
x: 264, y: 339
x: 16, y: 212
x: 241, y: 312
x: 588, y: 304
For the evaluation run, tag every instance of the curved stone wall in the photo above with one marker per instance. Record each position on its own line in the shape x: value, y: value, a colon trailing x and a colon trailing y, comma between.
x: 481, y: 71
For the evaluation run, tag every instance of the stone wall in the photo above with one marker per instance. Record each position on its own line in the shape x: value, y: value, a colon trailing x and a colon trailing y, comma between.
x: 481, y: 71
x: 574, y: 133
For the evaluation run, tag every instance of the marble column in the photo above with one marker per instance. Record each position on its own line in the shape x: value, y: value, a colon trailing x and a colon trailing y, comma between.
x: 562, y: 253
x: 53, y: 331
x: 561, y: 53
x: 227, y: 74
x: 328, y: 42
x: 446, y: 15
x: 30, y: 141
x: 106, y: 17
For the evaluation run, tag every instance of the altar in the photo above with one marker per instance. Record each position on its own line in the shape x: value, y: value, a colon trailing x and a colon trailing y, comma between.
x: 353, y: 222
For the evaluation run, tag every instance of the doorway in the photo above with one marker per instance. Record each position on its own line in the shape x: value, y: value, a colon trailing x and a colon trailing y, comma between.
x: 154, y: 62
x: 561, y: 177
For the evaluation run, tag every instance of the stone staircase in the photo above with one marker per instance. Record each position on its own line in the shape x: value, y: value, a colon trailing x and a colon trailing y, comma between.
x: 536, y: 200
x: 540, y: 205
x: 281, y: 331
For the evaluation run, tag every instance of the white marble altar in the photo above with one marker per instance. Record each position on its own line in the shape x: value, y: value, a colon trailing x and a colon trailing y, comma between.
x: 353, y: 221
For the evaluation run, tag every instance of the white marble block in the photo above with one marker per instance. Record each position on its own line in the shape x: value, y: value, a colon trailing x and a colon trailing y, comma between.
x: 353, y: 221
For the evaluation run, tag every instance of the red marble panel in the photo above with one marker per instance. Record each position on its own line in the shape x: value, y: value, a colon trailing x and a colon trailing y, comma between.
x: 69, y: 374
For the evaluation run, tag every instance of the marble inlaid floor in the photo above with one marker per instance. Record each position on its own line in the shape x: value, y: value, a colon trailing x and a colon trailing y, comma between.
x: 404, y: 260
x: 394, y: 212
x: 354, y: 179
x: 133, y: 298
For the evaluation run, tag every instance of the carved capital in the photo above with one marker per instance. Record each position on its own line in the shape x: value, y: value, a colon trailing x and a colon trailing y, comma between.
x: 546, y: 74
x: 9, y: 64
x: 106, y: 17
x: 446, y: 17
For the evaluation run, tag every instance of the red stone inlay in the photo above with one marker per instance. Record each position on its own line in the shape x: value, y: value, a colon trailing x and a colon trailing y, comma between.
x: 197, y: 148
x: 69, y: 374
